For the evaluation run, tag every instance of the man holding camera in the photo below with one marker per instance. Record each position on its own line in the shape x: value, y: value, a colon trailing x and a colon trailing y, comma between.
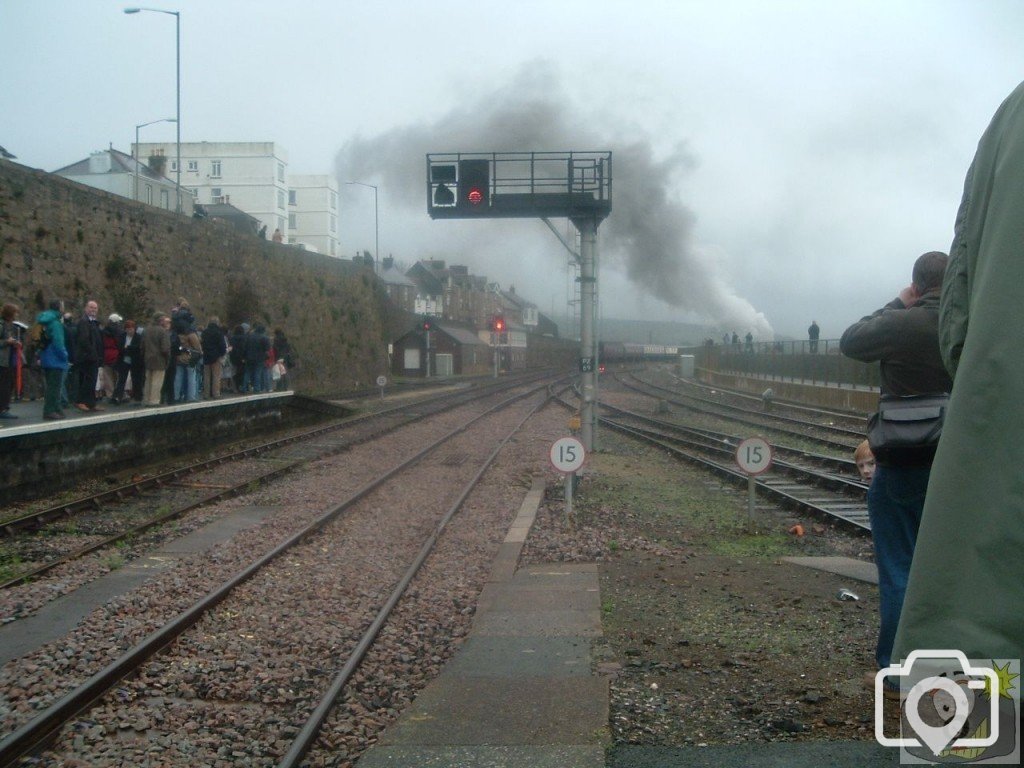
x: 903, y: 337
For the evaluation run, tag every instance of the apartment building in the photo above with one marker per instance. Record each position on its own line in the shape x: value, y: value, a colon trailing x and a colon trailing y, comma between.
x: 313, y: 213
x: 251, y: 176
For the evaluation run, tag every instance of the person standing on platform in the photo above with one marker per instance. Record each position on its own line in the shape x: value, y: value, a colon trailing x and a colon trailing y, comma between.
x: 966, y: 585
x: 9, y: 348
x: 130, y: 363
x: 215, y: 346
x: 156, y: 352
x: 111, y: 335
x: 903, y: 337
x: 69, y: 387
x: 813, y: 332
x: 237, y: 356
x: 189, y: 356
x: 88, y: 356
x: 53, y: 358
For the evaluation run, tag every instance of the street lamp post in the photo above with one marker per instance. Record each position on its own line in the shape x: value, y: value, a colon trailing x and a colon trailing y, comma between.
x: 376, y: 223
x: 177, y: 62
x: 135, y: 154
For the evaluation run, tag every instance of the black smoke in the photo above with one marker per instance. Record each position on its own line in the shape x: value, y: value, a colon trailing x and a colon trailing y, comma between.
x: 649, y: 234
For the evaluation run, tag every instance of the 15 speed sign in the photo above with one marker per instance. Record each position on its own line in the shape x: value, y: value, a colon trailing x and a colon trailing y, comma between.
x: 567, y: 454
x: 754, y: 455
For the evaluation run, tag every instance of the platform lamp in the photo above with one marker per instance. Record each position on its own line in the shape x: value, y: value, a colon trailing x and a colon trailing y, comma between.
x: 177, y: 61
x: 143, y: 125
x: 376, y: 222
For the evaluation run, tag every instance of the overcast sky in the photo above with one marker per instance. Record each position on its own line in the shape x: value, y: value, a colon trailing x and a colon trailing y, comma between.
x: 775, y: 162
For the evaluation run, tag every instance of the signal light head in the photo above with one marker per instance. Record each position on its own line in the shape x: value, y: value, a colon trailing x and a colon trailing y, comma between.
x: 475, y: 196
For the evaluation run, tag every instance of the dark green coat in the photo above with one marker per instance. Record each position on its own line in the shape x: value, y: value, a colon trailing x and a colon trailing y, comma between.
x: 966, y: 589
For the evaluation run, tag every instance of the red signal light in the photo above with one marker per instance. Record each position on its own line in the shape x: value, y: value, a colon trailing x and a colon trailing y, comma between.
x: 499, y: 324
x: 475, y: 196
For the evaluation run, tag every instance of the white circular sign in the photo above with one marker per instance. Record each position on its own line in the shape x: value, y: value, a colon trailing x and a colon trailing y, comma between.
x: 567, y: 454
x: 754, y: 455
x: 382, y: 380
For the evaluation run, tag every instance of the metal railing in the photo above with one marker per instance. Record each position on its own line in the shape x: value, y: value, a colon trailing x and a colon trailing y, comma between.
x: 806, y: 362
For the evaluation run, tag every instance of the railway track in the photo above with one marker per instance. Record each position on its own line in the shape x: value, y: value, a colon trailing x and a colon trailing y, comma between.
x: 42, y: 540
x: 817, y: 484
x: 851, y: 419
x: 795, y: 480
x: 379, y: 509
x: 830, y: 436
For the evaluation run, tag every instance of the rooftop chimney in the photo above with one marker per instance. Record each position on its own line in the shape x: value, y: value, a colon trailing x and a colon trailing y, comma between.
x: 99, y: 162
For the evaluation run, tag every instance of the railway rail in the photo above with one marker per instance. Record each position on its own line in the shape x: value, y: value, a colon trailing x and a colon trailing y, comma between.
x: 792, y: 481
x: 460, y: 450
x: 105, y: 518
x: 837, y: 438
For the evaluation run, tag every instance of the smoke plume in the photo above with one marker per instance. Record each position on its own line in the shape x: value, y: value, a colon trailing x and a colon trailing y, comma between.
x: 648, y: 236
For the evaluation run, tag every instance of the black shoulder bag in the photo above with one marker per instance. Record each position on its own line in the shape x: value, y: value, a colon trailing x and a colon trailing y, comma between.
x: 906, y: 429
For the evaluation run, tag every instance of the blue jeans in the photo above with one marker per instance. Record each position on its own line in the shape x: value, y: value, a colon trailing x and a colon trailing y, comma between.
x: 253, y: 377
x: 895, y: 503
x: 186, y: 384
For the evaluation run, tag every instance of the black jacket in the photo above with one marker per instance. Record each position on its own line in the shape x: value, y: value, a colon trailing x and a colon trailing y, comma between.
x: 88, y: 343
x: 906, y: 344
x: 214, y: 345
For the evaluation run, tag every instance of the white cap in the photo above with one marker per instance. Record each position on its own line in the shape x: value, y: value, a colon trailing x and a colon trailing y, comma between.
x: 115, y: 318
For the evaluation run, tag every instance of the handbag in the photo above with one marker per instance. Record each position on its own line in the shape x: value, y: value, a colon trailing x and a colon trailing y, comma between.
x: 906, y: 429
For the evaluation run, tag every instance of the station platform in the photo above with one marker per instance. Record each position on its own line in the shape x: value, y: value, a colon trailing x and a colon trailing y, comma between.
x: 524, y: 691
x: 520, y: 690
x: 39, y: 456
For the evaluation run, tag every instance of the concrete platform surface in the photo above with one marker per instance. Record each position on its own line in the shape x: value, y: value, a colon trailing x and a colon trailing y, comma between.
x: 520, y: 691
x: 58, y: 617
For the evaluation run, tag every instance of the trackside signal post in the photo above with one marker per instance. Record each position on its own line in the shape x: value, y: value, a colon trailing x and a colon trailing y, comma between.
x: 536, y: 185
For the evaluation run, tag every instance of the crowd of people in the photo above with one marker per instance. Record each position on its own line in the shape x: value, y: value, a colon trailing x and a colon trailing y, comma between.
x: 82, y: 362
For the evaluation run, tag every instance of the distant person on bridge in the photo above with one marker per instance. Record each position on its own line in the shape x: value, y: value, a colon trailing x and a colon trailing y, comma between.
x: 813, y: 332
x: 967, y: 582
x: 903, y: 337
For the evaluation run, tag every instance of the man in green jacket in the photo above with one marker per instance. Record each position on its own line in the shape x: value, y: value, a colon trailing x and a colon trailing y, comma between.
x: 966, y: 588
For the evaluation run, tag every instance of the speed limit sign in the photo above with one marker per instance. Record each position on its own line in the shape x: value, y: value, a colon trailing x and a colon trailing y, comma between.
x: 754, y: 455
x: 567, y: 454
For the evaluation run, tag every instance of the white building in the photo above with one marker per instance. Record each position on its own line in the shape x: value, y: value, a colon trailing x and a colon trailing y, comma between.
x: 120, y: 174
x: 251, y: 176
x: 313, y: 213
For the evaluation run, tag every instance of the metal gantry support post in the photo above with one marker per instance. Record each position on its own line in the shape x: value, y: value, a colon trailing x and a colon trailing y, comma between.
x: 588, y: 329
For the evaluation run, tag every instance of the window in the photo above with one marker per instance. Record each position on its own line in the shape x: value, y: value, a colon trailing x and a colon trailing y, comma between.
x: 174, y: 165
x: 165, y: 199
x: 215, y: 168
x: 280, y: 198
x: 193, y: 166
x: 280, y: 171
x: 334, y: 200
x: 291, y: 197
x: 291, y: 221
x: 216, y: 191
x: 334, y: 223
x: 149, y: 194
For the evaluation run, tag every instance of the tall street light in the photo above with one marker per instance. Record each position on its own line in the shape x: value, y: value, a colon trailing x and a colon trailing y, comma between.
x: 376, y: 223
x: 177, y: 59
x: 136, y: 153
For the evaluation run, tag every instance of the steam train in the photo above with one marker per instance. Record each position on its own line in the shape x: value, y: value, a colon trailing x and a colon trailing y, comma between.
x: 627, y: 352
